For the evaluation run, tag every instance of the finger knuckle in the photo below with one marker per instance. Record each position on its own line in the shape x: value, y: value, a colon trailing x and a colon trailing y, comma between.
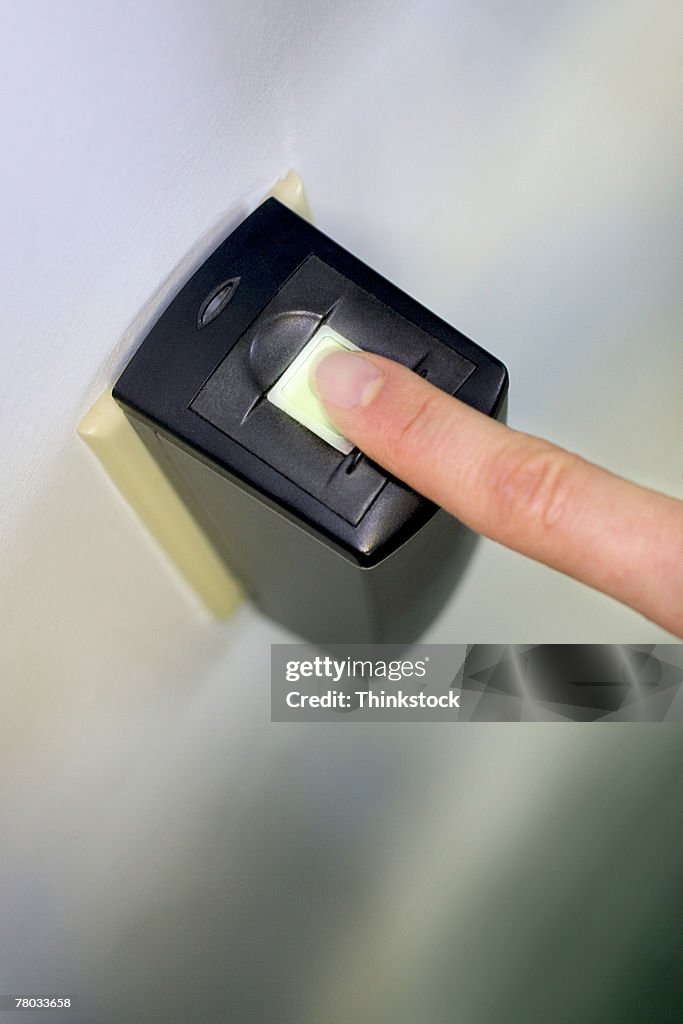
x: 415, y: 432
x: 536, y: 487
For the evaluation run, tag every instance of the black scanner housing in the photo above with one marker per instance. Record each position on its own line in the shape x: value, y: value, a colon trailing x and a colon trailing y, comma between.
x: 327, y: 544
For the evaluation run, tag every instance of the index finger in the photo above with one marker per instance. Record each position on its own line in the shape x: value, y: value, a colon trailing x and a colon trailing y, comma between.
x: 514, y: 488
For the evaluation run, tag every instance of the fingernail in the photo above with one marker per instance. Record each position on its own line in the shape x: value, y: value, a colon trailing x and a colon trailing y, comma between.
x: 346, y: 380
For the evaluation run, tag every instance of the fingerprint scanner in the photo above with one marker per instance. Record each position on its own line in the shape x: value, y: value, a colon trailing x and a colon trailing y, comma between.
x: 293, y: 392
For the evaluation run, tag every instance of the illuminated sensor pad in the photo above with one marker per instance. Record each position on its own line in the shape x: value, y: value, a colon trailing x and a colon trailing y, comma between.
x: 293, y: 393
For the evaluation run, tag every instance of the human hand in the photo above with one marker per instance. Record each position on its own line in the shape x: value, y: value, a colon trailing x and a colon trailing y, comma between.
x: 516, y: 489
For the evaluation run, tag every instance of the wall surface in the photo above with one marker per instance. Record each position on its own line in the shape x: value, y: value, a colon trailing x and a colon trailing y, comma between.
x: 165, y: 851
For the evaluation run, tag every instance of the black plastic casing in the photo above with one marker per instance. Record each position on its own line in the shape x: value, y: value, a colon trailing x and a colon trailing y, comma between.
x: 326, y: 544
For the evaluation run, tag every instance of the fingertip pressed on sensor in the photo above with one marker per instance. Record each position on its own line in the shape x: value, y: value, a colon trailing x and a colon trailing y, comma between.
x: 294, y: 394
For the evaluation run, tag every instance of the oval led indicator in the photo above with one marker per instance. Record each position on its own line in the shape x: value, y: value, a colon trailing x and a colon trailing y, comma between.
x: 216, y: 301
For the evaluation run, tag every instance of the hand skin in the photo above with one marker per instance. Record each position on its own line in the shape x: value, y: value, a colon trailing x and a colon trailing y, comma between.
x: 516, y: 489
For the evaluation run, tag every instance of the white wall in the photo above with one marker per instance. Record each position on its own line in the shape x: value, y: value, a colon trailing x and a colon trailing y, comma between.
x: 516, y: 167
